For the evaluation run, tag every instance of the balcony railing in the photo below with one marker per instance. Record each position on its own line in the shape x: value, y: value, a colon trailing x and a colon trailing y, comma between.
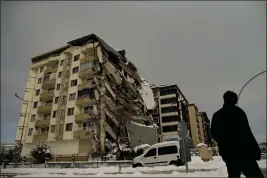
x: 84, y: 116
x: 40, y: 137
x: 42, y: 123
x: 82, y: 133
x: 84, y: 85
x: 46, y: 96
x: 85, y: 101
x: 49, y: 82
x: 50, y: 70
x: 88, y: 58
x: 45, y: 109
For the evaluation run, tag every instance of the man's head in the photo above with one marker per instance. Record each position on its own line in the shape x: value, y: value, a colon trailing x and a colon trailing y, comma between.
x: 230, y: 97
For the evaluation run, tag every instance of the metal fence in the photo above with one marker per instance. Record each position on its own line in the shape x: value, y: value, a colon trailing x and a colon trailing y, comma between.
x: 61, y: 165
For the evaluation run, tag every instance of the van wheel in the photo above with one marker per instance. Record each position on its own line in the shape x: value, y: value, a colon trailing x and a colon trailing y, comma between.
x: 174, y: 163
x: 137, y: 165
x: 180, y: 162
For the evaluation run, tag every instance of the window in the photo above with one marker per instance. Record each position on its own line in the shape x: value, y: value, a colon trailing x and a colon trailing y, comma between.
x: 41, y: 69
x: 155, y: 93
x: 76, y: 58
x: 37, y: 92
x: 59, y: 74
x: 72, y: 96
x: 167, y: 92
x: 70, y: 111
x: 73, y: 83
x: 75, y: 70
x: 167, y: 150
x: 52, y: 129
x: 151, y: 152
x: 47, y: 116
x: 168, y: 101
x: 169, y: 109
x: 54, y: 114
x: 30, y: 131
x: 155, y: 111
x: 39, y: 80
x: 61, y: 62
x: 58, y: 86
x: 69, y: 127
x: 169, y: 128
x: 87, y: 65
x: 56, y: 100
x: 87, y: 92
x: 174, y: 118
x: 45, y: 130
x: 88, y: 109
x: 33, y: 118
x: 35, y: 104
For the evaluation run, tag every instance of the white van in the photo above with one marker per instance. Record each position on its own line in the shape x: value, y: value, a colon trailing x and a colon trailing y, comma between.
x: 160, y: 154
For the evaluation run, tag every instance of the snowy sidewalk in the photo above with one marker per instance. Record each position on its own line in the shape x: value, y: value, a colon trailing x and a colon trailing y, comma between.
x: 197, y: 168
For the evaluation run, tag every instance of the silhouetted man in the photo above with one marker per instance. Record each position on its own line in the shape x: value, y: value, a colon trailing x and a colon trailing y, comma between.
x: 237, y: 145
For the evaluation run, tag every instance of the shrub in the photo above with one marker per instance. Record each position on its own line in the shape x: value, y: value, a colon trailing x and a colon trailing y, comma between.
x: 41, y: 153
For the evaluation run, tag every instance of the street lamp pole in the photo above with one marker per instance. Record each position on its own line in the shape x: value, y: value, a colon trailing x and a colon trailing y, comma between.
x: 23, y: 125
x: 249, y: 82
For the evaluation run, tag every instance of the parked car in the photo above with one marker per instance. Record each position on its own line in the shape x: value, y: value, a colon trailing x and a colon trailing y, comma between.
x: 160, y: 154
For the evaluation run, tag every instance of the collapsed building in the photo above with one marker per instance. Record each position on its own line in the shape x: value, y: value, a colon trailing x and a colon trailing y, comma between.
x: 108, y: 101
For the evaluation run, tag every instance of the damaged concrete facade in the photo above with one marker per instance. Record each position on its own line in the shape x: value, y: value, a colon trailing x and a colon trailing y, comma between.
x: 83, y: 97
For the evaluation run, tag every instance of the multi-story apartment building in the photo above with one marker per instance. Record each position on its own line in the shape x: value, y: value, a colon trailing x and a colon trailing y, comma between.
x: 207, y: 130
x: 171, y: 107
x: 194, y: 123
x: 73, y: 95
x: 200, y: 126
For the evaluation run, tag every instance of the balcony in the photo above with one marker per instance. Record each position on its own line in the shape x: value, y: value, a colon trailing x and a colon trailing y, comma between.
x: 52, y: 63
x: 88, y: 58
x: 42, y: 123
x: 45, y: 109
x: 82, y: 134
x: 49, y: 83
x: 40, y: 138
x: 85, y: 101
x: 50, y: 70
x: 84, y: 117
x: 87, y: 73
x: 47, y: 96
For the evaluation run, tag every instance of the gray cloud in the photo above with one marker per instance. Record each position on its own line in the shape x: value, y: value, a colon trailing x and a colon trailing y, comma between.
x: 204, y: 47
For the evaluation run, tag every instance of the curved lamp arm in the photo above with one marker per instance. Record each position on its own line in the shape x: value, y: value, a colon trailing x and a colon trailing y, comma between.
x: 248, y: 83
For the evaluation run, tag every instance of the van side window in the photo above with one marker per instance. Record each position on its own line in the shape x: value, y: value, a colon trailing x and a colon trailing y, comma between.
x: 151, y: 152
x: 167, y: 150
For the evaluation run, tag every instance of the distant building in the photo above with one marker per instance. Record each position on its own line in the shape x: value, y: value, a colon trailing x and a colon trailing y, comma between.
x: 206, y: 129
x: 194, y: 123
x: 171, y: 108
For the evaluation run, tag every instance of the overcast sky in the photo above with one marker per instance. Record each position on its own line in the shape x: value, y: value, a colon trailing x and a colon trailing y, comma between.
x: 205, y: 48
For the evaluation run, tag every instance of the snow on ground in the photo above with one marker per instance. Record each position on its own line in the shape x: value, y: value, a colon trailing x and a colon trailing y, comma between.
x: 197, y: 168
